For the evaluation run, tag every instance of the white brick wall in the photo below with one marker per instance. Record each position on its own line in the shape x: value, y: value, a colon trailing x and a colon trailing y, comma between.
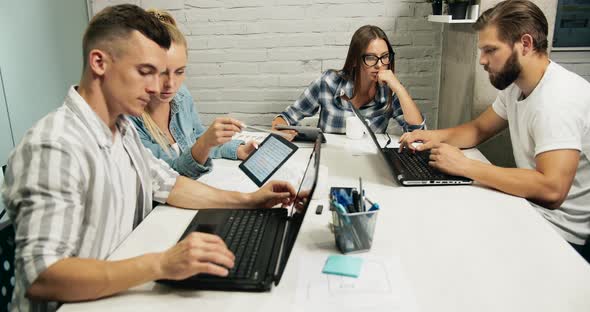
x: 576, y: 61
x: 252, y: 58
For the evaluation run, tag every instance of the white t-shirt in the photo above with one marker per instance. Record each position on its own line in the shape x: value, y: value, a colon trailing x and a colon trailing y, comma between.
x: 556, y: 115
x: 123, y: 169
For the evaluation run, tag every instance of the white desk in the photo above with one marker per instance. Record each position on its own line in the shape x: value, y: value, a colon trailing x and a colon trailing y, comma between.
x: 461, y: 248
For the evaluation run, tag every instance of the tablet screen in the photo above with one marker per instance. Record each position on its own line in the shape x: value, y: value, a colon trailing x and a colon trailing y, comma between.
x: 268, y: 158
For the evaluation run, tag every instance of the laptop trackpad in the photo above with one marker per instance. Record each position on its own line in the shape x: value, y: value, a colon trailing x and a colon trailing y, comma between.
x: 207, y: 228
x: 210, y: 221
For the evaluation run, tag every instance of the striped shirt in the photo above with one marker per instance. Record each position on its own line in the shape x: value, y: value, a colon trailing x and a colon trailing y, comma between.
x: 64, y: 192
x: 326, y: 94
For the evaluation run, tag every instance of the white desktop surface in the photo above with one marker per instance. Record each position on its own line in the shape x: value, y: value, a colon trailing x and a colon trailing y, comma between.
x: 461, y: 248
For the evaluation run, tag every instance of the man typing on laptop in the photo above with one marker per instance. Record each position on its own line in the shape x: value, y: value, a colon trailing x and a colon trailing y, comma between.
x: 547, y: 109
x: 80, y: 180
x: 262, y: 239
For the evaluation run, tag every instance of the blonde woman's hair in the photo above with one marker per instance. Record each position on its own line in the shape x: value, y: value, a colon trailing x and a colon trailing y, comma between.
x: 170, y: 23
x: 156, y: 132
x: 177, y: 37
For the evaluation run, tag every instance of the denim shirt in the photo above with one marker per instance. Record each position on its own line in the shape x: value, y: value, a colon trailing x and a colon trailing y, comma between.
x: 186, y: 127
x: 326, y: 95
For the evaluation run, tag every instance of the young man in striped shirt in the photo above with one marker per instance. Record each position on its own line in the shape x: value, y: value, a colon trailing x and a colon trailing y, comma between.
x: 81, y: 180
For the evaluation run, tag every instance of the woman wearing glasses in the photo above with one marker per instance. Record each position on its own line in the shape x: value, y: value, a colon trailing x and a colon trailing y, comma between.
x: 367, y: 81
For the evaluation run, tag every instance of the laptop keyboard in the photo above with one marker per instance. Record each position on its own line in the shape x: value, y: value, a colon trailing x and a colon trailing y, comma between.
x: 416, y: 163
x: 242, y: 234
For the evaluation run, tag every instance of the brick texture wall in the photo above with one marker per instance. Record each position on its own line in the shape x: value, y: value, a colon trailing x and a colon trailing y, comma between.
x: 253, y: 58
x: 576, y: 61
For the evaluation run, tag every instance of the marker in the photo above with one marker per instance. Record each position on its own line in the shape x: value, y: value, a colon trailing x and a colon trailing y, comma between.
x: 356, y: 201
x: 342, y: 211
x: 343, y: 198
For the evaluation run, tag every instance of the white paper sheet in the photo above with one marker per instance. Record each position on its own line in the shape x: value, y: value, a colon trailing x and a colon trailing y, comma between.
x: 379, y: 287
x: 360, y: 147
x: 233, y: 179
x: 250, y: 136
x: 229, y: 178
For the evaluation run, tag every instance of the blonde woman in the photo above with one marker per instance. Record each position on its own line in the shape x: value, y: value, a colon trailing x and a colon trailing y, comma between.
x: 170, y: 126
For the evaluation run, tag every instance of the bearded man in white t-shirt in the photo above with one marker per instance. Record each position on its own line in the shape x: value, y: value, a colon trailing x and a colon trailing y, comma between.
x: 547, y: 110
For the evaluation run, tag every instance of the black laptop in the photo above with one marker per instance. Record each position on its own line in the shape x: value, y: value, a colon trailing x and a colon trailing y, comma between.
x: 411, y: 168
x: 261, y: 239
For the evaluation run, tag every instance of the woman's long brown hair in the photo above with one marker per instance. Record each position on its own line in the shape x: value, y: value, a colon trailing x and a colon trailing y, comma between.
x: 358, y: 44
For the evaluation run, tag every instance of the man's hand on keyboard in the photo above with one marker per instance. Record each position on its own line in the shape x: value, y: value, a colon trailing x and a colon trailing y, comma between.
x: 427, y: 137
x: 448, y: 159
x: 272, y: 194
x: 197, y: 253
x: 302, y: 200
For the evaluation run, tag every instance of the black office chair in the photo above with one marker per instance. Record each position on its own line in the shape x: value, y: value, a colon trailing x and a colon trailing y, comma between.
x: 585, y: 252
x: 7, y: 280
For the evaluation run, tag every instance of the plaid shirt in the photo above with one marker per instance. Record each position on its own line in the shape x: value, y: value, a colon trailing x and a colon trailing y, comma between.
x: 325, y: 94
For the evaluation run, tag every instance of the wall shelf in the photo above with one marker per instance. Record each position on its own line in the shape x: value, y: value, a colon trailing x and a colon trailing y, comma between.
x: 447, y: 19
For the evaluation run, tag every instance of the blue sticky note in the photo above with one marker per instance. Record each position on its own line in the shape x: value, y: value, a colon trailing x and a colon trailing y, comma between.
x: 343, y: 265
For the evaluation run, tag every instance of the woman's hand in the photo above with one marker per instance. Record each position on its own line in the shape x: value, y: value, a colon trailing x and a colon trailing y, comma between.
x: 245, y: 150
x: 388, y: 77
x: 220, y: 131
x: 280, y: 121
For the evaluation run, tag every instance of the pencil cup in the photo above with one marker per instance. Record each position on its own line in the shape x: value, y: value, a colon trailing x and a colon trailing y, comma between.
x: 353, y: 232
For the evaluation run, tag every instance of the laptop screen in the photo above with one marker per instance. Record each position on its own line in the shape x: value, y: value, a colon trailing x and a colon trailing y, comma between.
x: 302, y: 200
x: 367, y: 127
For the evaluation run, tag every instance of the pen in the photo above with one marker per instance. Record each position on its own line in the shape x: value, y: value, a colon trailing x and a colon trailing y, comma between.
x: 343, y: 198
x: 374, y: 205
x: 285, y: 135
x: 348, y: 230
x: 356, y: 201
x: 361, y: 195
x: 342, y: 211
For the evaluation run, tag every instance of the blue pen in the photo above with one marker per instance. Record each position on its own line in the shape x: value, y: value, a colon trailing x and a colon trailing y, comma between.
x: 350, y: 238
x: 341, y: 211
x: 341, y: 199
x: 374, y: 205
x: 344, y: 198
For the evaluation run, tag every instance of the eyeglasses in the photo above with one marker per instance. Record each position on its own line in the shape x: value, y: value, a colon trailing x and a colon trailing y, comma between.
x: 371, y: 59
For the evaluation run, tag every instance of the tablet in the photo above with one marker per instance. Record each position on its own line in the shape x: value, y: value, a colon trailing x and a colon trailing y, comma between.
x: 305, y: 134
x: 272, y: 153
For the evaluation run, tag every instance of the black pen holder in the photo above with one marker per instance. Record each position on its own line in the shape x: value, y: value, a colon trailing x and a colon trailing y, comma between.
x: 353, y: 232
